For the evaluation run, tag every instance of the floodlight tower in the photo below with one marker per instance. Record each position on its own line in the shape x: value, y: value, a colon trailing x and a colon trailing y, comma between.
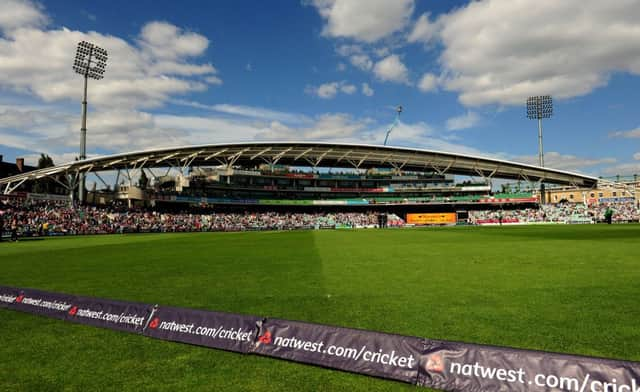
x: 540, y: 107
x: 90, y: 62
x: 395, y: 122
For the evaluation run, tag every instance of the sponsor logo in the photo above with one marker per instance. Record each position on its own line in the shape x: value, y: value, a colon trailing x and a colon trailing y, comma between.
x: 154, y: 323
x: 265, y: 338
x: 362, y: 353
x: 435, y: 363
x: 105, y: 316
x: 9, y: 299
x: 239, y: 334
x: 43, y: 303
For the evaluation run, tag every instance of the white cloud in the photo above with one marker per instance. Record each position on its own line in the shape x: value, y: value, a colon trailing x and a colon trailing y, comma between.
x: 356, y: 56
x: 467, y: 120
x: 15, y: 117
x: 260, y: 113
x: 428, y: 82
x: 361, y: 61
x: 247, y: 111
x: 160, y: 67
x: 54, y: 131
x: 391, y: 69
x: 31, y: 127
x: 626, y: 168
x: 498, y: 51
x: 366, y: 21
x: 423, y: 30
x: 123, y: 130
x: 166, y: 41
x: 324, y: 91
x: 187, y: 130
x: 142, y: 74
x: 423, y: 135
x: 348, y: 88
x: 331, y: 89
x: 173, y: 68
x: 213, y: 80
x: 89, y: 16
x: 382, y: 52
x: 569, y: 162
x: 347, y: 50
x: 341, y: 67
x: 330, y: 126
x: 630, y: 134
x: 339, y: 127
x: 622, y: 169
x: 366, y: 90
x: 20, y: 14
x: 51, y: 131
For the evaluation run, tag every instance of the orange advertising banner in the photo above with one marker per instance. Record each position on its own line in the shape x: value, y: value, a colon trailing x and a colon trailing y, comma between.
x: 436, y: 218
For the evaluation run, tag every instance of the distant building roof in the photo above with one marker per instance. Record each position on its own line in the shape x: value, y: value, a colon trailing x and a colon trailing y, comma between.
x: 8, y: 169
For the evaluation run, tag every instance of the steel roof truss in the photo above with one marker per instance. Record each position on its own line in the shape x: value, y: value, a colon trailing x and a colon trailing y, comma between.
x: 279, y: 155
x: 169, y: 156
x: 343, y: 156
x: 189, y: 159
x: 10, y: 189
x: 303, y: 154
x: 108, y: 164
x: 232, y: 159
x: 215, y: 154
x: 101, y: 179
x: 321, y: 157
x: 259, y: 154
x: 364, y: 158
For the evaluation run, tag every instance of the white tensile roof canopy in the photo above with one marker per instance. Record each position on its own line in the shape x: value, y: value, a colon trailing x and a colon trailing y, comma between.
x: 313, y: 154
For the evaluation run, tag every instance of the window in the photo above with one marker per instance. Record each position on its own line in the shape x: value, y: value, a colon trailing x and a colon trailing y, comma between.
x: 571, y: 196
x: 600, y: 194
x: 593, y: 194
x: 614, y: 194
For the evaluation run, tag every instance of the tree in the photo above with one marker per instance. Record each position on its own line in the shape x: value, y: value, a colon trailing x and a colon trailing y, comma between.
x: 143, y: 181
x: 506, y: 188
x: 45, y: 161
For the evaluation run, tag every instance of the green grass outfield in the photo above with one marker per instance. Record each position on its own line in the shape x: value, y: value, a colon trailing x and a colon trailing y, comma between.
x: 571, y: 289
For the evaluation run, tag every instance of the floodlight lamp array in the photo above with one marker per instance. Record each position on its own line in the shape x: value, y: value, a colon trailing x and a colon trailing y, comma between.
x: 90, y: 61
x: 539, y: 107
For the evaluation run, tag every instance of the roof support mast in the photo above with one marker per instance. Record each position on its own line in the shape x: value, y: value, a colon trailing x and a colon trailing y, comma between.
x: 393, y: 125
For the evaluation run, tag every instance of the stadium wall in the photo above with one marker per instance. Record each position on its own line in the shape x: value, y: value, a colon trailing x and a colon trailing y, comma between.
x: 593, y: 195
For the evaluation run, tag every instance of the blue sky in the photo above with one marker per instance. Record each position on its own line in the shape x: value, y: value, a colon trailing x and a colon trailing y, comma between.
x: 332, y: 70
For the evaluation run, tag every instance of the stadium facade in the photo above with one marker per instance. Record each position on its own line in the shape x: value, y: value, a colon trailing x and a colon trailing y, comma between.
x: 300, y: 174
x: 623, y: 191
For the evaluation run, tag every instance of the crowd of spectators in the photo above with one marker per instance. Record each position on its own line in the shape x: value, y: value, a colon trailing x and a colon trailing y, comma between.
x: 560, y: 213
x: 38, y: 218
x: 56, y: 218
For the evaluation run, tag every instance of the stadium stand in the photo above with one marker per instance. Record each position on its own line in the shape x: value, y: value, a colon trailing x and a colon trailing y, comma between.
x: 48, y: 218
x: 57, y: 218
x: 625, y: 212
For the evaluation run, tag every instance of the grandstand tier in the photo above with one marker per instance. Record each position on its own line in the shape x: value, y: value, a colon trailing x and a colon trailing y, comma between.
x: 247, y: 159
